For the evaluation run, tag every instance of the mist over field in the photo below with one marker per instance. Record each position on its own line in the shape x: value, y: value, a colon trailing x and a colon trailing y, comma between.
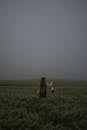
x: 43, y: 38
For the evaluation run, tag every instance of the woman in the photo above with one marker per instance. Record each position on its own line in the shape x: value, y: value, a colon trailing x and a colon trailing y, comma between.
x: 43, y: 87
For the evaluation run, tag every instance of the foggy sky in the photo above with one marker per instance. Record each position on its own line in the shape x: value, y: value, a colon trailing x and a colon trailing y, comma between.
x: 43, y: 38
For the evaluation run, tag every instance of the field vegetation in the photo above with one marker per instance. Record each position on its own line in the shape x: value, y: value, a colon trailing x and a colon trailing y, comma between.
x: 21, y: 108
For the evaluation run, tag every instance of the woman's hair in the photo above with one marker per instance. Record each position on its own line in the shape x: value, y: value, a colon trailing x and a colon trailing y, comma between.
x: 43, y: 82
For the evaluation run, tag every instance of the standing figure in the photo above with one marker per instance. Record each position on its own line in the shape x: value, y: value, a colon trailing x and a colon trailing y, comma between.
x: 43, y: 87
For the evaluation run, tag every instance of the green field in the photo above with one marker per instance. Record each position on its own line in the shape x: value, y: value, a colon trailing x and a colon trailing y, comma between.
x: 21, y: 109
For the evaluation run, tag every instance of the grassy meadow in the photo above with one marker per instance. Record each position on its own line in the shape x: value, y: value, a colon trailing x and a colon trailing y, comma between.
x: 21, y: 109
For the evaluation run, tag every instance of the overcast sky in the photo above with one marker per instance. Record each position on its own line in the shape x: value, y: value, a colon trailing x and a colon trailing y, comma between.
x: 43, y: 38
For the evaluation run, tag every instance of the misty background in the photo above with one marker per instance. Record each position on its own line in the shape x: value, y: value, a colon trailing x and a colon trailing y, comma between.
x: 43, y: 38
